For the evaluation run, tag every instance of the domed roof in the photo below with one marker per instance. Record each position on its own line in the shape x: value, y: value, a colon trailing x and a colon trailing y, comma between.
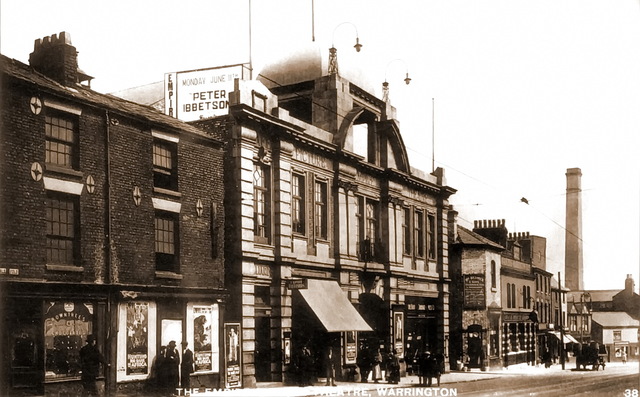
x: 309, y: 63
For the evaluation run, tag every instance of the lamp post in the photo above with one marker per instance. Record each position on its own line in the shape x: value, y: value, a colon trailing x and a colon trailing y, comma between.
x: 333, y: 52
x: 385, y: 85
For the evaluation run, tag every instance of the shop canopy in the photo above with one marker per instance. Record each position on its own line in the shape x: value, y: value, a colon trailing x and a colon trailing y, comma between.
x: 330, y: 304
x: 566, y: 338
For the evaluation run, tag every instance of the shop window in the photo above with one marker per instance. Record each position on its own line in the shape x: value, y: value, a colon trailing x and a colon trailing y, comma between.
x: 321, y: 217
x: 166, y: 241
x: 406, y: 232
x: 297, y: 204
x: 62, y: 230
x: 66, y: 327
x: 61, y: 140
x: 165, y: 164
x: 262, y: 203
x: 431, y: 236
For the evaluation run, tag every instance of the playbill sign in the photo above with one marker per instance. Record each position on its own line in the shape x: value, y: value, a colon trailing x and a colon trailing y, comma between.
x: 198, y: 94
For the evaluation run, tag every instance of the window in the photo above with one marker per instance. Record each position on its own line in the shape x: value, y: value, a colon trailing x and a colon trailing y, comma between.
x: 297, y: 204
x: 573, y: 323
x: 514, y: 302
x: 526, y: 297
x: 508, y: 295
x: 165, y: 162
x: 418, y: 234
x: 431, y: 236
x: 406, y: 231
x: 62, y: 225
x: 166, y: 229
x: 61, y: 140
x: 493, y: 274
x: 262, y: 203
x: 321, y: 209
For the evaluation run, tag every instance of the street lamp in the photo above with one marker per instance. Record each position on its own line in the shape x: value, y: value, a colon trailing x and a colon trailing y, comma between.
x: 333, y: 52
x: 385, y: 85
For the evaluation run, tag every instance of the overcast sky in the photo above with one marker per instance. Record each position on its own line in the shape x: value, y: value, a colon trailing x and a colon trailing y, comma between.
x: 522, y: 90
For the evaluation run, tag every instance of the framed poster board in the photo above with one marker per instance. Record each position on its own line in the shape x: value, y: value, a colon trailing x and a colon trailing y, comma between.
x: 232, y: 356
x: 350, y: 347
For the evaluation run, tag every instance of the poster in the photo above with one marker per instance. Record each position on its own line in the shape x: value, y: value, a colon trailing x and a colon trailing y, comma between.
x: 232, y: 357
x: 350, y: 347
x: 137, y: 338
x: 398, y: 332
x: 202, y: 338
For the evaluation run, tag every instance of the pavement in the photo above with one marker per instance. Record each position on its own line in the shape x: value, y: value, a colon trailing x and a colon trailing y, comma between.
x: 360, y: 389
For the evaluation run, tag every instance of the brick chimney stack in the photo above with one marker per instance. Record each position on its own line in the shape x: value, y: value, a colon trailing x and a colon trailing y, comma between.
x: 55, y: 57
x: 629, y: 285
x: 573, y: 231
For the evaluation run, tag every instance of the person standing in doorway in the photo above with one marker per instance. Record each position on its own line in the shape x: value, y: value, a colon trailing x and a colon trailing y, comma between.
x: 329, y: 366
x: 186, y: 367
x: 90, y: 360
x: 172, y: 362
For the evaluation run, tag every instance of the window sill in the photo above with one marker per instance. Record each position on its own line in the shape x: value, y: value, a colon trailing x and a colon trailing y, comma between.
x: 167, y: 192
x: 65, y: 268
x: 168, y: 275
x: 56, y: 169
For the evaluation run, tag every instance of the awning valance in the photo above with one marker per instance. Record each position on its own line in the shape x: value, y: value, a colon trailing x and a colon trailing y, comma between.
x: 330, y: 304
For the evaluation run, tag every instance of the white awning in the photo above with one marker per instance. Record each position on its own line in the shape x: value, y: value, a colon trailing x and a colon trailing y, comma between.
x: 330, y: 304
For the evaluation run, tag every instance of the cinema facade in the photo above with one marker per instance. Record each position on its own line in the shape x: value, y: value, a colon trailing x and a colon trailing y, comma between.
x: 331, y: 237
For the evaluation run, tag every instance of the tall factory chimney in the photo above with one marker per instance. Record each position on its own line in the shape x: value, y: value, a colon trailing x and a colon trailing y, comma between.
x: 573, y: 231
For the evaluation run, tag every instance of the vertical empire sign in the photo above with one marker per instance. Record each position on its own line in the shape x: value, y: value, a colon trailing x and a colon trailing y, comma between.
x: 198, y: 94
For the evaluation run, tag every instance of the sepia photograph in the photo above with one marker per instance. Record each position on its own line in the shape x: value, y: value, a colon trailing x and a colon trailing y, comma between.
x: 319, y: 198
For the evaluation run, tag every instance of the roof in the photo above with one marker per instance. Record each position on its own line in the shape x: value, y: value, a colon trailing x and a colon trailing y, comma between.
x: 467, y: 237
x: 596, y: 295
x: 614, y: 319
x: 86, y: 95
x: 151, y: 94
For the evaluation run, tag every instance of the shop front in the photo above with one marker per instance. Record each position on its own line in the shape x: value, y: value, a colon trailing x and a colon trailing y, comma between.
x: 421, y: 327
x: 325, y: 326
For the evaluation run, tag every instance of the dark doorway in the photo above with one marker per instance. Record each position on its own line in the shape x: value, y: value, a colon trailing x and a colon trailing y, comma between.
x: 263, y: 349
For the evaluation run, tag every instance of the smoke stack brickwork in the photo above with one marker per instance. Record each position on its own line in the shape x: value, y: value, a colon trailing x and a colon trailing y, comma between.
x: 573, y: 231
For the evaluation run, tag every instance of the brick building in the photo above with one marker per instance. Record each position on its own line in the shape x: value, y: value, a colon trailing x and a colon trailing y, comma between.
x: 111, y: 224
x: 325, y: 215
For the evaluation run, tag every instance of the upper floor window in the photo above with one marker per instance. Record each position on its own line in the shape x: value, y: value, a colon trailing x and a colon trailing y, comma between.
x: 62, y: 230
x: 526, y: 297
x: 509, y: 295
x: 406, y: 231
x: 297, y: 203
x: 321, y: 207
x: 493, y: 274
x: 262, y: 203
x: 165, y: 164
x: 418, y: 234
x: 431, y: 236
x: 166, y: 241
x: 61, y: 140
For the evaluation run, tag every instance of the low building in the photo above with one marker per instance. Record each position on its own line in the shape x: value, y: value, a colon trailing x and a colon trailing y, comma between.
x: 618, y: 331
x: 111, y: 225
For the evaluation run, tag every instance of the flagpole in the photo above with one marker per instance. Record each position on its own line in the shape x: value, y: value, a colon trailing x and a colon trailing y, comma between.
x: 250, y: 50
x: 433, y: 135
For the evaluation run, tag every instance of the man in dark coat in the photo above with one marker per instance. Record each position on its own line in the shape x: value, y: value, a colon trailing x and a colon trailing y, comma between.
x: 172, y: 363
x: 90, y: 360
x: 186, y: 367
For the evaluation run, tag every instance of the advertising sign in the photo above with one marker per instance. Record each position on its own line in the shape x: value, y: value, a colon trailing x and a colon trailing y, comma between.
x: 350, y: 347
x: 398, y: 332
x: 232, y: 341
x: 198, y: 94
x: 137, y: 337
x: 474, y: 291
x: 202, y: 337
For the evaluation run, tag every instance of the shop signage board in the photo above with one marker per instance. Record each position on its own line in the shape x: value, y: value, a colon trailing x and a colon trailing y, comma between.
x: 474, y: 291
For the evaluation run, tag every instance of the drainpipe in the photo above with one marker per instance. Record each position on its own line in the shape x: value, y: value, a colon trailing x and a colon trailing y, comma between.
x: 110, y: 337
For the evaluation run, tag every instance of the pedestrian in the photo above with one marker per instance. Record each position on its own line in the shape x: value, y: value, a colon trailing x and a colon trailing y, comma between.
x: 393, y: 367
x: 624, y: 357
x: 377, y: 370
x: 423, y: 364
x: 90, y: 360
x: 171, y: 364
x: 364, y: 362
x: 186, y: 367
x: 329, y: 366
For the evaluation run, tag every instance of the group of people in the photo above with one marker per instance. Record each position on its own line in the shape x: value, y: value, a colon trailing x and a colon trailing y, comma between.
x: 371, y: 362
x: 170, y: 369
x: 430, y: 366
